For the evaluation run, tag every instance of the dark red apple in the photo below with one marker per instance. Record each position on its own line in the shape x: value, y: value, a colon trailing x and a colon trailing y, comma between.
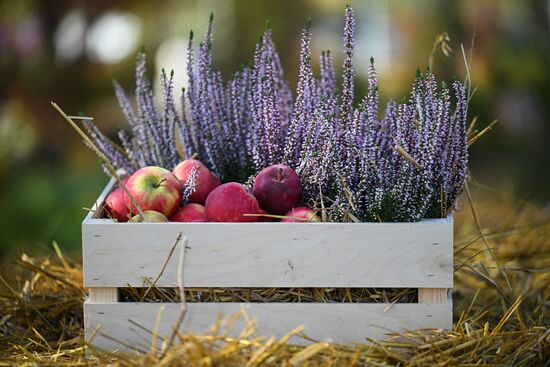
x: 154, y: 188
x: 277, y: 189
x: 229, y: 202
x: 190, y: 213
x: 206, y: 181
x: 301, y: 214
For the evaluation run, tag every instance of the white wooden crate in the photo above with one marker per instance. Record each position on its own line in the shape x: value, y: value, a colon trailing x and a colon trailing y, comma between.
x: 286, y: 255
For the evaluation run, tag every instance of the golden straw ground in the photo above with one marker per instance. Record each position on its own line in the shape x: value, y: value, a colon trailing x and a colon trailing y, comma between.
x: 501, y: 309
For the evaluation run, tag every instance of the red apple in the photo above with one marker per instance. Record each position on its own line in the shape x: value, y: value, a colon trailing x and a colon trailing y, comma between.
x: 150, y: 216
x: 228, y: 203
x: 154, y: 188
x: 277, y: 189
x: 301, y: 214
x: 205, y: 181
x: 190, y: 213
x: 115, y: 205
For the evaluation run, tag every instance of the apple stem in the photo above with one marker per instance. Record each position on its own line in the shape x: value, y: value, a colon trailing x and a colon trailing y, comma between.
x: 279, y: 174
x: 159, y: 183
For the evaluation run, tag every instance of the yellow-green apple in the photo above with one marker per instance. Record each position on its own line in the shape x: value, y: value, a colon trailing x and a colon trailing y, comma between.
x: 205, y: 181
x: 150, y: 216
x: 301, y: 214
x: 277, y: 189
x: 229, y: 202
x: 192, y: 212
x: 154, y: 188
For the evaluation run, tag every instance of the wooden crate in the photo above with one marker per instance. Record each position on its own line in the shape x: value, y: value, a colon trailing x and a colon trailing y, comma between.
x: 287, y: 255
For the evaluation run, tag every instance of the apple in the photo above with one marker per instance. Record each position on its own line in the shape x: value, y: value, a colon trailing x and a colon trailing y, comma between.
x: 301, y: 214
x: 115, y: 205
x: 150, y: 216
x: 205, y: 181
x: 192, y: 212
x: 228, y: 203
x: 277, y: 189
x: 154, y: 188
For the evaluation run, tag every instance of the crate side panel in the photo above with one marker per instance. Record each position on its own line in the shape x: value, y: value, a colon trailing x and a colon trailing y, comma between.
x: 341, y: 323
x: 417, y: 255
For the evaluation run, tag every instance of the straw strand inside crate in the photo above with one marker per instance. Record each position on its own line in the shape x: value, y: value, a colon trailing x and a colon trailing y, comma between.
x: 264, y: 295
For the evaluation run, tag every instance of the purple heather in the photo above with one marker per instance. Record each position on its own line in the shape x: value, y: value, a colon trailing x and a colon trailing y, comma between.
x: 404, y: 162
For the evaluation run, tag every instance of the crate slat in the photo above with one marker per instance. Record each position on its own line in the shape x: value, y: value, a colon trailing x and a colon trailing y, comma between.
x: 415, y: 255
x: 342, y: 323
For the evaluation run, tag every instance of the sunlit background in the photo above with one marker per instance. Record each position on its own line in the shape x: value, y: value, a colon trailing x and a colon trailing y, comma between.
x: 70, y: 51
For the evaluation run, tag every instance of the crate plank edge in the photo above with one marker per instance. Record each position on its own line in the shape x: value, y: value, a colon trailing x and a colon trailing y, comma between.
x: 287, y: 255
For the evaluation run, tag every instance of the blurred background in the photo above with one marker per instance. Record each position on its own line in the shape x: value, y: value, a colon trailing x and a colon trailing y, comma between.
x: 70, y: 51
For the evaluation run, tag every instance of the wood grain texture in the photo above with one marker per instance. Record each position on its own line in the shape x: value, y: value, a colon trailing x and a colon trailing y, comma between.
x: 103, y: 294
x: 343, y: 323
x: 433, y: 295
x: 417, y: 255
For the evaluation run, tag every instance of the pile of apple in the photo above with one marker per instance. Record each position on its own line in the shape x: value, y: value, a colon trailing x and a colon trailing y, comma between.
x: 158, y: 192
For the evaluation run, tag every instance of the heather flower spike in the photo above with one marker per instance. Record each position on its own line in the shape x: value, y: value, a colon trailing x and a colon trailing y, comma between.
x: 190, y: 185
x: 402, y: 162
